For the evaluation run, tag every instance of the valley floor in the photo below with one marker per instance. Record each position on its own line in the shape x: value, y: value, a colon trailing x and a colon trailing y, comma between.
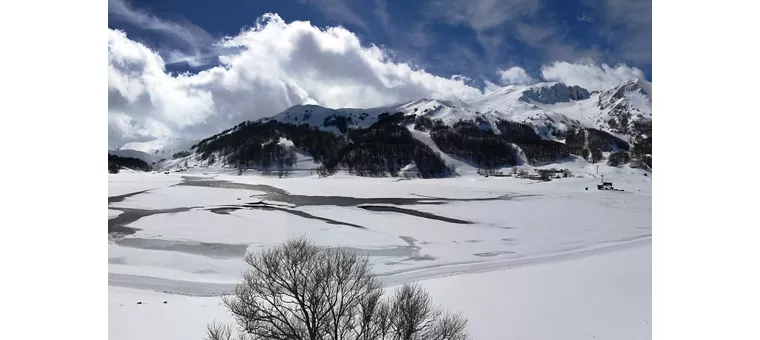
x: 539, y: 260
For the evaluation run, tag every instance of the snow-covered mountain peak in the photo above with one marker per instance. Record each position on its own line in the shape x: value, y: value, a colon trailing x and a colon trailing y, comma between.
x: 632, y: 85
x: 633, y: 94
x: 552, y: 93
x: 550, y: 107
x: 162, y: 147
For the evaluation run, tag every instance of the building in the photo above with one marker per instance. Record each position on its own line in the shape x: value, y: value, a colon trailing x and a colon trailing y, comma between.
x: 605, y: 186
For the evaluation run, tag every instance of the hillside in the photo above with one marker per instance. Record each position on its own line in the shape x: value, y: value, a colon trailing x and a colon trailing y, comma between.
x: 118, y: 162
x: 518, y: 124
x: 145, y: 157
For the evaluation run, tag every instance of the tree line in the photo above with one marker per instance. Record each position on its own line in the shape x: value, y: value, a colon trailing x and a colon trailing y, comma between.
x: 383, y: 148
x: 386, y: 146
x: 117, y: 162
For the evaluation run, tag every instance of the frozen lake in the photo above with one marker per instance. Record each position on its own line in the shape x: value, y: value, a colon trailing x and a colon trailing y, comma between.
x: 195, y: 229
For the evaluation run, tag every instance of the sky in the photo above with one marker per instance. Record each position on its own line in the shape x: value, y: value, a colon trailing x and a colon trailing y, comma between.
x: 192, y: 68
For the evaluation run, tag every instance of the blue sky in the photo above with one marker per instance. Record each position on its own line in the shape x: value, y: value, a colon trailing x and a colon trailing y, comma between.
x: 471, y: 38
x: 191, y: 68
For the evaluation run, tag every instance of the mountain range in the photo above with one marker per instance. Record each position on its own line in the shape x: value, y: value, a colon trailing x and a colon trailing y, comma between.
x: 512, y: 125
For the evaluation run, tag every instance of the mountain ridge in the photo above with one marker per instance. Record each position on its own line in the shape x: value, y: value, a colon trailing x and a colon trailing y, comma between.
x: 537, y: 123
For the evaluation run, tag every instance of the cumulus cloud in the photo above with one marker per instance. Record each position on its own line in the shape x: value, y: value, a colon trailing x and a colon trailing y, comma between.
x: 589, y: 75
x: 515, y: 76
x: 273, y: 66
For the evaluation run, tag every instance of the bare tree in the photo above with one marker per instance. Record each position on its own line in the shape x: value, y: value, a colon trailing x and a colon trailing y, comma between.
x: 301, y: 291
x: 412, y: 316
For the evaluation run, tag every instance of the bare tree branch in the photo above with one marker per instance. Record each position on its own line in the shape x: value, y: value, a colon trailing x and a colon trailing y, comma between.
x: 299, y: 291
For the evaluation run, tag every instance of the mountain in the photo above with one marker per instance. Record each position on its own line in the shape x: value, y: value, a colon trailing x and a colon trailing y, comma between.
x: 516, y: 124
x: 145, y: 157
x: 625, y: 104
x: 160, y: 148
x: 117, y: 162
x: 551, y: 108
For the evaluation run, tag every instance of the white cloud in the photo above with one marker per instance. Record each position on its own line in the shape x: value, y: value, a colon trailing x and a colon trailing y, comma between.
x: 490, y: 87
x: 589, y: 75
x: 144, y: 101
x: 486, y: 17
x: 338, y: 10
x: 481, y: 14
x: 515, y: 76
x: 189, y: 43
x: 274, y: 65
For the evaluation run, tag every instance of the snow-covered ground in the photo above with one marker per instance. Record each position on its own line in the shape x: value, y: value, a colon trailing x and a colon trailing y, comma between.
x: 580, y: 259
x: 605, y: 296
x: 126, y: 182
x: 599, y: 296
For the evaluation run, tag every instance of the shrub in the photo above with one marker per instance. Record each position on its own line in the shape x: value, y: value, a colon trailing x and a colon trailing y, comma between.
x: 113, y: 168
x: 596, y: 155
x: 619, y: 158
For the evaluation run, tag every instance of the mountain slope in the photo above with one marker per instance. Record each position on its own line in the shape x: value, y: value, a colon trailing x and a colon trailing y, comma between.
x: 513, y: 125
x: 147, y: 158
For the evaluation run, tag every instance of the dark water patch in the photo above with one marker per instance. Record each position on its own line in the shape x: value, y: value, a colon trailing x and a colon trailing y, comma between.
x: 215, y: 250
x: 117, y: 225
x: 121, y: 198
x: 232, y: 185
x: 117, y: 260
x: 384, y: 208
x: 411, y: 258
x: 493, y: 253
x: 473, y: 199
x: 343, y: 201
x: 473, y: 241
x: 304, y: 215
x: 265, y: 206
x: 223, y: 210
x: 422, y: 258
x: 280, y: 195
x: 398, y: 251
